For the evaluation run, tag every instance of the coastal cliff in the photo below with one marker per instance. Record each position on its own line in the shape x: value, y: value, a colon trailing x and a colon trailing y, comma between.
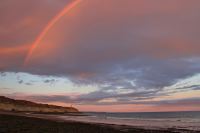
x: 7, y: 104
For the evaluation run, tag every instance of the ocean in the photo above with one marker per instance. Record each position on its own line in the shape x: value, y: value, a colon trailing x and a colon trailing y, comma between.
x: 151, y: 120
x: 183, y: 115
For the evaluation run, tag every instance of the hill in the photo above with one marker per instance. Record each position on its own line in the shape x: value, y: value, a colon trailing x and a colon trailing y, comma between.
x: 7, y: 104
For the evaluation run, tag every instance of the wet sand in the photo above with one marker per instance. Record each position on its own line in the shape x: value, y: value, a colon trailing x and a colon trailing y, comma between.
x: 40, y: 123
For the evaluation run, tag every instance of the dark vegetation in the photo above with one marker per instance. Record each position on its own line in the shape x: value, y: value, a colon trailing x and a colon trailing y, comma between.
x: 22, y: 105
x: 6, y: 100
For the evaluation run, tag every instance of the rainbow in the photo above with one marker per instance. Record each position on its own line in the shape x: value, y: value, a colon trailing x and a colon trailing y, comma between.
x: 50, y: 24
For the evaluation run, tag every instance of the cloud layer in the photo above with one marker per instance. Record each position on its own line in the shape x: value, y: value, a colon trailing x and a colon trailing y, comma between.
x: 137, y: 45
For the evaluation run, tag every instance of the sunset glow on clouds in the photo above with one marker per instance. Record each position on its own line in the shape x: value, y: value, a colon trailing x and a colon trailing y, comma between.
x: 100, y: 55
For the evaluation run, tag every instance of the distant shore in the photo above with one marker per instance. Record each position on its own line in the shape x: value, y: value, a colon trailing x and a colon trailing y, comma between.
x: 23, y: 123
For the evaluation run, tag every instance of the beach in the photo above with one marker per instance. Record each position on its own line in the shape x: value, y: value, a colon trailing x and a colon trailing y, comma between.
x: 36, y: 123
x: 99, y: 66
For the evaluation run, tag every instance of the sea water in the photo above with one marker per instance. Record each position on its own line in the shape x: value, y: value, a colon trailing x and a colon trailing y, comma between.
x: 175, y: 116
x: 150, y: 120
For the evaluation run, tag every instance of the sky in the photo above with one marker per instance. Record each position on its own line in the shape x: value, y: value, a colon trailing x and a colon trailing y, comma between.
x: 102, y: 55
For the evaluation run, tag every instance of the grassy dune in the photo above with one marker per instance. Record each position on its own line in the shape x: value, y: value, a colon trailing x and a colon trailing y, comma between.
x: 8, y: 104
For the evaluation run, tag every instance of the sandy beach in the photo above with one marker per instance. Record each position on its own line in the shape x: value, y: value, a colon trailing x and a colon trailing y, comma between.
x: 26, y: 123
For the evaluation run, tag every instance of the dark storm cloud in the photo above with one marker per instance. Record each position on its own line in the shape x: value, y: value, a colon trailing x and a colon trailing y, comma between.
x: 21, y: 21
x: 192, y: 87
x: 3, y: 74
x: 51, y: 81
x: 134, y: 44
x: 20, y: 81
x: 146, y: 45
x: 95, y: 97
x: 118, y: 100
x: 28, y: 83
x: 52, y: 98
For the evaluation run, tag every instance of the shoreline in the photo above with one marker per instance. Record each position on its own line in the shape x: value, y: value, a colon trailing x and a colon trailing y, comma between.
x: 55, y: 119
